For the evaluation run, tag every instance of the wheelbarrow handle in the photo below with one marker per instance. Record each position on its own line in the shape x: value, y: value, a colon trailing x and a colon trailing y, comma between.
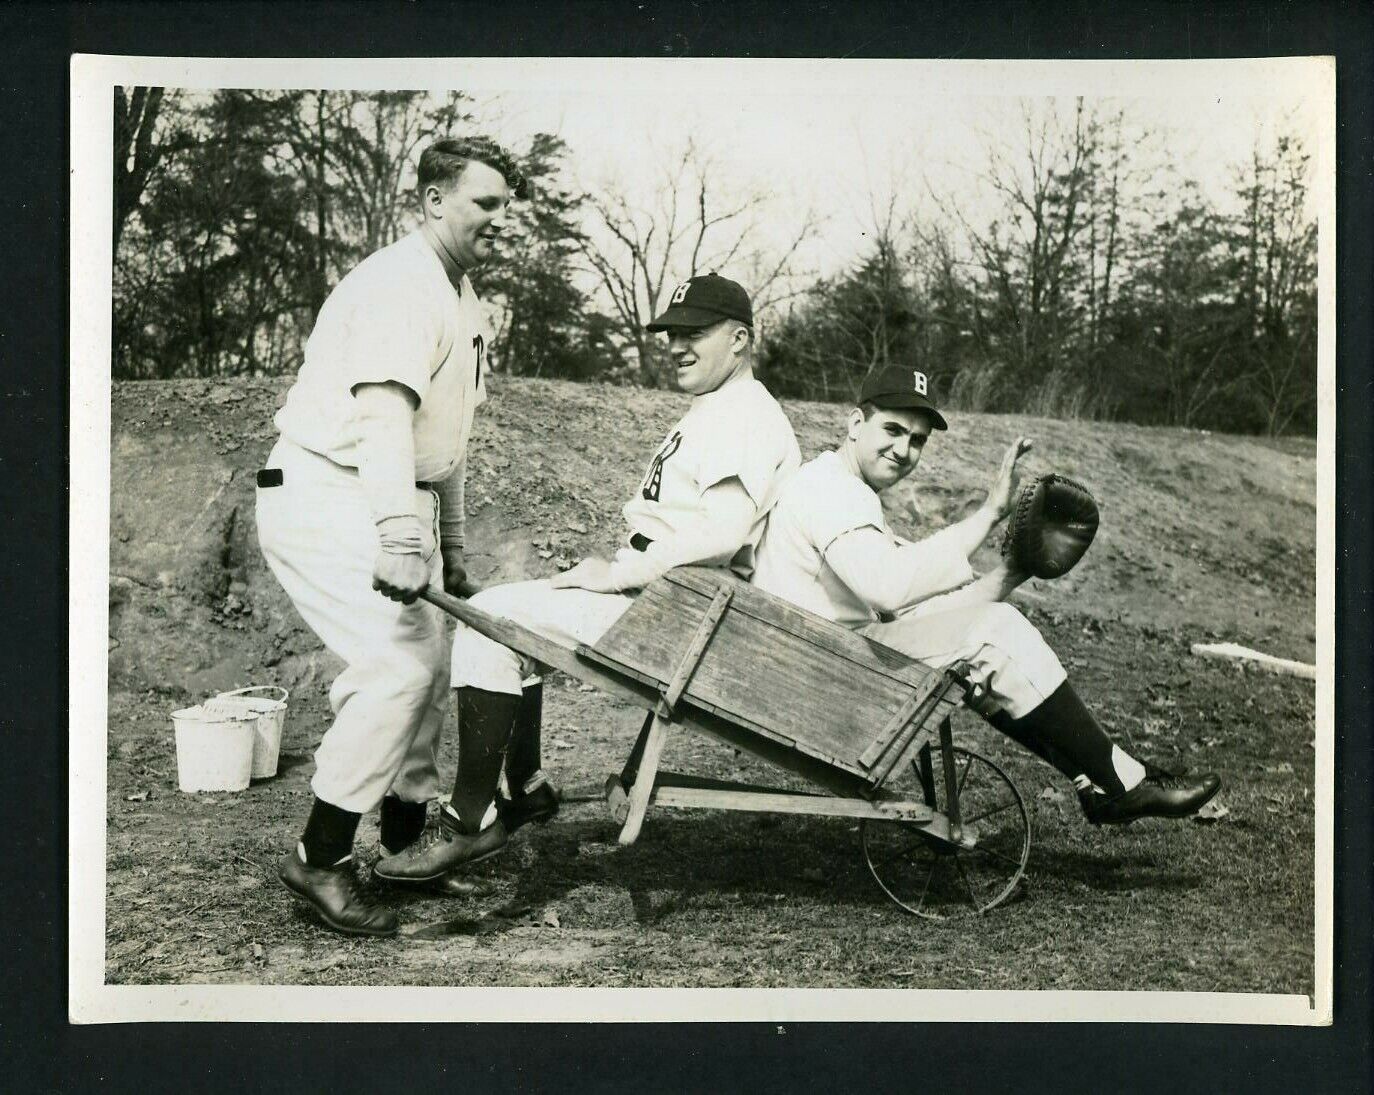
x: 447, y: 601
x: 542, y: 650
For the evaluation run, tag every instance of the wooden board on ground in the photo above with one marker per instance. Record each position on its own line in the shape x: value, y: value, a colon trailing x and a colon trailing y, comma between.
x: 1257, y: 658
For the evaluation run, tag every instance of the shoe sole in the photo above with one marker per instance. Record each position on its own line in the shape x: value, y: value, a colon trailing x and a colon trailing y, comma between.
x: 335, y: 925
x: 433, y: 886
x: 418, y: 881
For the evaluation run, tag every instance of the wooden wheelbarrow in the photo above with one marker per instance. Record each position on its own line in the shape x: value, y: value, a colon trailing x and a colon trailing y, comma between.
x: 943, y: 830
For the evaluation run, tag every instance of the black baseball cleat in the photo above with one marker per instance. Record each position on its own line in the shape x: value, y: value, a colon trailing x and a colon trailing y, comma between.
x: 452, y: 884
x: 1159, y: 794
x: 441, y: 850
x: 334, y: 894
x: 539, y: 805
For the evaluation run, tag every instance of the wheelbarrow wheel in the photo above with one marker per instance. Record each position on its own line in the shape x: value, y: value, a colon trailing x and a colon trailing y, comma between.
x: 937, y: 878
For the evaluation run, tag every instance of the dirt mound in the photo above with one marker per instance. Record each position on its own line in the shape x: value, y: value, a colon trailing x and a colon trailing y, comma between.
x: 1202, y: 536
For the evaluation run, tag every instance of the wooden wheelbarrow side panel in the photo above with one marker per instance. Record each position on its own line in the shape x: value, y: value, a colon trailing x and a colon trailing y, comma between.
x: 813, y: 760
x: 644, y: 692
x: 825, y: 691
x: 766, y: 680
x: 835, y: 639
x: 823, y: 773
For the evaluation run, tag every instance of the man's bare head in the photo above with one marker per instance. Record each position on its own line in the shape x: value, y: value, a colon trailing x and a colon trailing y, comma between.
x: 465, y: 186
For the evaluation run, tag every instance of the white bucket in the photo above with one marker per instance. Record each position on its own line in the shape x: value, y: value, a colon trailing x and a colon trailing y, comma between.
x: 214, y: 751
x: 269, y: 711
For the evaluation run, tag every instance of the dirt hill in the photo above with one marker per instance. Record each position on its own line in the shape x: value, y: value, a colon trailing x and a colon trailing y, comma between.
x: 1202, y: 536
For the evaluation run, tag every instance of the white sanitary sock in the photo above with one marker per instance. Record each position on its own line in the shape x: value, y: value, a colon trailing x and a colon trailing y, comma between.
x: 488, y: 819
x: 1128, y: 770
x: 300, y: 854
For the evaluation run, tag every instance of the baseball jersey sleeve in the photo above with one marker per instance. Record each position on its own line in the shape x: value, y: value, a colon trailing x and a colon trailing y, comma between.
x: 393, y: 335
x: 744, y: 446
x: 838, y: 504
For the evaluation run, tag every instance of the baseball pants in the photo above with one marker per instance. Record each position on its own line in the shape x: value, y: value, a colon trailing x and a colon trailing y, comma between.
x: 318, y: 537
x: 1010, y: 662
x: 567, y: 616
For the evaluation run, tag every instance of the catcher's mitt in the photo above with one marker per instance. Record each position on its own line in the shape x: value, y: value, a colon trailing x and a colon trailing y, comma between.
x: 1051, y: 525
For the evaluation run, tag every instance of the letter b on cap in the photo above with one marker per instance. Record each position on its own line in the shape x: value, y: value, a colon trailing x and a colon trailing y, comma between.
x: 920, y: 379
x: 680, y: 292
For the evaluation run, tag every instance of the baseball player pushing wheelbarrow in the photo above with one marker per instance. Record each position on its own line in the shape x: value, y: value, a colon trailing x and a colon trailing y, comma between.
x: 360, y: 507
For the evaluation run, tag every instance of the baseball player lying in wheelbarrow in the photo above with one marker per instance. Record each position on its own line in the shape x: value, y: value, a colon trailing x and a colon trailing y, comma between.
x: 828, y: 549
x: 703, y: 500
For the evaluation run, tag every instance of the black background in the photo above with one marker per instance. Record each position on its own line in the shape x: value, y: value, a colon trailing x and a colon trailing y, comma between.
x: 43, y: 1053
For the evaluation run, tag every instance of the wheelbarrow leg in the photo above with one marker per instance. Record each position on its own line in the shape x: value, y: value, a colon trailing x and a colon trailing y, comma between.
x: 631, y: 769
x: 644, y: 779
x: 618, y: 787
x: 952, y: 810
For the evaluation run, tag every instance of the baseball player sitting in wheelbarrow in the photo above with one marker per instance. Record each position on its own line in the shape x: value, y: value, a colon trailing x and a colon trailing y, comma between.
x: 704, y: 500
x: 828, y: 549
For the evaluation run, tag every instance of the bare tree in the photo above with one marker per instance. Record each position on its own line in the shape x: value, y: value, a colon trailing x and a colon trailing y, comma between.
x: 635, y: 250
x: 1282, y: 379
x: 1030, y: 259
x: 1277, y: 252
x: 1180, y: 290
x: 1104, y: 221
x: 379, y: 136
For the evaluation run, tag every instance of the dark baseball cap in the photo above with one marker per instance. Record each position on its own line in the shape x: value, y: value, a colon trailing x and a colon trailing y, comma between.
x: 704, y: 300
x: 894, y: 386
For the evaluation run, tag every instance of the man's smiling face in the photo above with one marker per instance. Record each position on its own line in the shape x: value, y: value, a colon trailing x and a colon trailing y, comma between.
x: 887, y: 444
x: 470, y: 213
x: 707, y: 357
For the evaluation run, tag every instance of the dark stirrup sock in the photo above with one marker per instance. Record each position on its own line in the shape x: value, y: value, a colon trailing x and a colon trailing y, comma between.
x: 1017, y: 730
x: 523, y: 755
x: 1069, y: 730
x: 401, y: 823
x: 485, y: 721
x: 328, y: 835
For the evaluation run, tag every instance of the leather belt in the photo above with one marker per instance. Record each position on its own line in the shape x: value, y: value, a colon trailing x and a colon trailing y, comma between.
x: 274, y: 477
x: 639, y: 541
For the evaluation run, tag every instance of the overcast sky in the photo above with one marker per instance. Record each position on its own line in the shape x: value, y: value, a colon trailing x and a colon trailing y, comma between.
x: 828, y: 134
x: 832, y: 135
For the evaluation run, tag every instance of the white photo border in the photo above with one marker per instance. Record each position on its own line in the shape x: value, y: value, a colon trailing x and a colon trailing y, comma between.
x: 90, y: 1000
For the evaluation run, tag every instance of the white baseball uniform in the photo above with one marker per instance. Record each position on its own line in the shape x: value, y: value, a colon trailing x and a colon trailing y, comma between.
x: 736, y: 432
x: 394, y: 318
x: 1010, y: 661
